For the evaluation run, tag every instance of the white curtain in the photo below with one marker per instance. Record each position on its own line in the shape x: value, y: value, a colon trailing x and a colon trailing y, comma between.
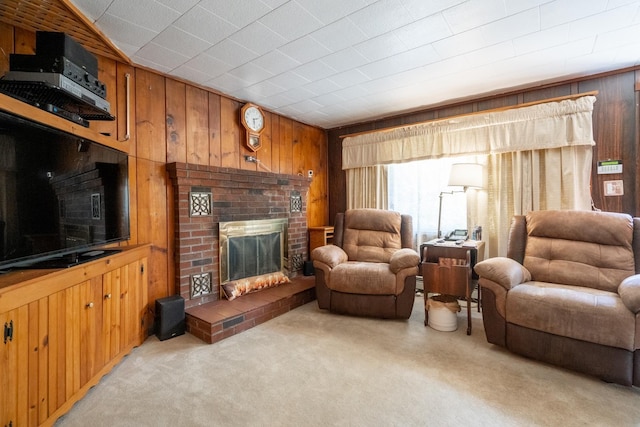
x: 536, y: 157
x: 367, y: 187
x: 536, y: 127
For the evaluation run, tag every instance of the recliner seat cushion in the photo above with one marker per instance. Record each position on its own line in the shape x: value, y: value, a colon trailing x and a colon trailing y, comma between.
x: 581, y: 313
x: 364, y: 278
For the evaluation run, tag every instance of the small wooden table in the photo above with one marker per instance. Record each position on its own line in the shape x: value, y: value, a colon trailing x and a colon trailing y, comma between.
x: 447, y: 269
x: 320, y: 236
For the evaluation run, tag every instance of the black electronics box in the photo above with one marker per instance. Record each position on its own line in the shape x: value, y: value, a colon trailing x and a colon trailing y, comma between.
x: 59, y: 65
x: 169, y: 318
x: 54, y: 44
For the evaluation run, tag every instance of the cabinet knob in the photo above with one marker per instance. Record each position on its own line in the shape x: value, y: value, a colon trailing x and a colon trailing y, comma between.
x: 90, y: 305
x: 107, y: 296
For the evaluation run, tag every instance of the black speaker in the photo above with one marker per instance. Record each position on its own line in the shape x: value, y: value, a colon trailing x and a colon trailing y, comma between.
x: 169, y: 319
x: 308, y: 269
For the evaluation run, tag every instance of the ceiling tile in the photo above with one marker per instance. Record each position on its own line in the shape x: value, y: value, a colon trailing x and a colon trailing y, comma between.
x: 381, y: 17
x: 230, y: 52
x: 144, y: 13
x: 304, y: 49
x: 473, y: 14
x: 240, y: 13
x: 381, y: 46
x: 562, y: 11
x: 258, y: 38
x: 346, y: 59
x: 339, y: 35
x: 291, y: 21
x: 125, y: 32
x: 179, y: 41
x: 424, y: 31
x: 205, y: 25
x: 315, y: 70
x: 181, y: 6
x: 276, y: 62
x: 328, y: 11
x: 168, y: 58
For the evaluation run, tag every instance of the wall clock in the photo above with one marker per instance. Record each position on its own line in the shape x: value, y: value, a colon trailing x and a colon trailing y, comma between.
x: 252, y: 119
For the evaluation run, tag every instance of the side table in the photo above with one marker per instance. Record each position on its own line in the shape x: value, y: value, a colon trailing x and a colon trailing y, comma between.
x: 447, y: 268
x: 320, y: 236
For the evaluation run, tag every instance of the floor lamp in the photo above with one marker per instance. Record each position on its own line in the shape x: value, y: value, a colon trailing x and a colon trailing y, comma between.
x: 463, y: 175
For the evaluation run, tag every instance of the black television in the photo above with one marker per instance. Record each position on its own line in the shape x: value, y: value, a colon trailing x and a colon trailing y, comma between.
x: 62, y: 197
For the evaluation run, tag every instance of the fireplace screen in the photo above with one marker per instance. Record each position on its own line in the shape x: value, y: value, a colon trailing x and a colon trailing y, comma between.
x: 252, y: 248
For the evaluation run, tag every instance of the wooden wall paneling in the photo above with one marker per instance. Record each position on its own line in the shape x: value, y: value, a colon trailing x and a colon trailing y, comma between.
x: 499, y: 102
x: 107, y: 73
x: 133, y: 201
x: 265, y: 154
x: 197, y: 126
x: 153, y: 224
x: 6, y: 46
x: 150, y: 116
x: 123, y: 110
x: 286, y: 145
x: 298, y: 145
x: 455, y: 110
x: 231, y: 133
x: 214, y: 129
x: 175, y: 120
x: 316, y: 160
x: 25, y: 41
x: 614, y: 130
x: 275, y: 142
x: 533, y: 95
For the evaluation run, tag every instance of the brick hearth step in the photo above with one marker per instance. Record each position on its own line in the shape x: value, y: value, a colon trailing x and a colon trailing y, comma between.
x: 214, y: 321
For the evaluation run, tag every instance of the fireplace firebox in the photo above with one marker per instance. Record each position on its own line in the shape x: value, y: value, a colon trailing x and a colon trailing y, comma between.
x: 252, y: 248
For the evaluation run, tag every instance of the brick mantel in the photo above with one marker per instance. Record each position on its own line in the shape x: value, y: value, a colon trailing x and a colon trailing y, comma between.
x: 227, y: 194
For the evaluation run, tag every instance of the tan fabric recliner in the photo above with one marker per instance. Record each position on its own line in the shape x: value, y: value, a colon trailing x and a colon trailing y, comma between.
x: 568, y: 292
x: 371, y: 267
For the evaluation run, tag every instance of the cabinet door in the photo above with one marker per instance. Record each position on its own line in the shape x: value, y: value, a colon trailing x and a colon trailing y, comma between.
x: 91, y: 318
x: 14, y: 375
x: 113, y: 286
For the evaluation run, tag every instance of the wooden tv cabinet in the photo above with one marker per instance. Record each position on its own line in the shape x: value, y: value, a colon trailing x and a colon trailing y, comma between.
x: 63, y: 329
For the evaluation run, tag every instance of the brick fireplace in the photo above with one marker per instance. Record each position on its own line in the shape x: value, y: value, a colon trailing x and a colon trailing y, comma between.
x: 208, y: 195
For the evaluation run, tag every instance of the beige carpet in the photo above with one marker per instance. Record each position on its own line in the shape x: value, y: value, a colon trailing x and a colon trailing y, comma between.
x: 312, y: 368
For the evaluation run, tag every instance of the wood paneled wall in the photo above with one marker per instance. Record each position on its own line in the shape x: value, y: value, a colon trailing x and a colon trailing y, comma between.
x: 174, y: 121
x: 615, y: 124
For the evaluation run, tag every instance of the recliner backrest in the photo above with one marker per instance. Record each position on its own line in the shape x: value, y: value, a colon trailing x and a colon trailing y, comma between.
x: 371, y: 235
x: 582, y: 248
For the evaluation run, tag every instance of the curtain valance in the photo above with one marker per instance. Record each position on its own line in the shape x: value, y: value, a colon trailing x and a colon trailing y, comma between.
x: 536, y: 127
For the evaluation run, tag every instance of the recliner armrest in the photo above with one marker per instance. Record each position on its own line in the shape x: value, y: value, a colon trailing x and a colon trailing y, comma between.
x: 330, y: 255
x: 403, y: 258
x: 504, y: 271
x: 629, y: 291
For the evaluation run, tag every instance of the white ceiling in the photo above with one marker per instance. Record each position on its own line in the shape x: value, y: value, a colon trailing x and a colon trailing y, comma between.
x: 335, y: 62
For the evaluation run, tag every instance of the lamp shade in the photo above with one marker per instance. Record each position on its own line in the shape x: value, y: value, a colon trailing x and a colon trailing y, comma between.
x: 466, y: 175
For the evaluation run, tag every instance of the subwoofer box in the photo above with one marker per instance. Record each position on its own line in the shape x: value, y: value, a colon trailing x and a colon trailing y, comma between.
x: 169, y: 318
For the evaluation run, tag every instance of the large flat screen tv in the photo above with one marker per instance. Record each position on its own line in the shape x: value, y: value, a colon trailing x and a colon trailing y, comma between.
x: 61, y: 197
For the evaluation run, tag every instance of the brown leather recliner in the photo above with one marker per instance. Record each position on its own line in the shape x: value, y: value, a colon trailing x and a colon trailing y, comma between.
x: 568, y: 292
x: 371, y: 267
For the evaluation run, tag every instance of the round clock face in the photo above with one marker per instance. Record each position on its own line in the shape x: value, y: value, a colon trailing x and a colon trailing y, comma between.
x: 254, y: 119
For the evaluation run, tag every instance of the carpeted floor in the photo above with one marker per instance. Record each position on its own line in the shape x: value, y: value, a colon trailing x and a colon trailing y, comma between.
x: 312, y: 368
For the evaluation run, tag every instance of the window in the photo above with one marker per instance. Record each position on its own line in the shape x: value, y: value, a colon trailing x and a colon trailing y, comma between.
x: 414, y: 189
